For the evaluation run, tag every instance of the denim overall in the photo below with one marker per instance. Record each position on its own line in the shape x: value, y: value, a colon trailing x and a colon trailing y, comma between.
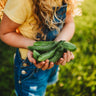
x: 29, y: 80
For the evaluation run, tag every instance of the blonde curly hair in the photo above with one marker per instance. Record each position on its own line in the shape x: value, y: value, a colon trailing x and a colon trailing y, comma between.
x: 44, y: 11
x: 2, y: 5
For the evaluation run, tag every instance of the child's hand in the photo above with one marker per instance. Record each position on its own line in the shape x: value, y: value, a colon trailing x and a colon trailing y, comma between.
x: 66, y: 58
x: 43, y: 65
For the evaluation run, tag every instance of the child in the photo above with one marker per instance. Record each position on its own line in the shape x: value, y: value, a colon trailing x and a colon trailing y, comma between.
x: 23, y: 23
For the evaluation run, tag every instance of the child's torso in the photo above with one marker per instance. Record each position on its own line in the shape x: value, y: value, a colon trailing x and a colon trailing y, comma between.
x: 26, y: 29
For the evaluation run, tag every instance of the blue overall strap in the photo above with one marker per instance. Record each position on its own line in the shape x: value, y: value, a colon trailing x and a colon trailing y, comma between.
x: 58, y: 19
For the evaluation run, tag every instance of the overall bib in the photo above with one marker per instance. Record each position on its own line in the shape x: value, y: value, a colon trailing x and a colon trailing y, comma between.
x: 29, y: 80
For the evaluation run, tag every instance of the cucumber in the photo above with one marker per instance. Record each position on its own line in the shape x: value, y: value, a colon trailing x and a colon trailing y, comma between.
x: 57, y: 55
x: 48, y: 50
x: 36, y: 54
x: 60, y: 43
x: 69, y: 46
x: 43, y: 48
x: 47, y: 55
x: 43, y: 43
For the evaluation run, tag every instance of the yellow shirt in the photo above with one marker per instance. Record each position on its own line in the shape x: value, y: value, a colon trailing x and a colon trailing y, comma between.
x: 20, y: 11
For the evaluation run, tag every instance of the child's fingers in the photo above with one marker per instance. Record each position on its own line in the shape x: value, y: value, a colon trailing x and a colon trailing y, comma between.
x: 45, y: 65
x: 72, y: 56
x: 30, y: 57
x: 68, y: 56
x: 64, y: 63
x: 65, y: 57
x: 60, y: 61
x: 34, y: 61
x: 30, y: 53
x: 51, y: 65
x: 40, y: 65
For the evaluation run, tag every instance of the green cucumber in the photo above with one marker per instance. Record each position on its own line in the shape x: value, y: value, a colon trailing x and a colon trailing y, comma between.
x: 60, y: 43
x: 69, y: 46
x: 43, y: 43
x: 43, y: 48
x: 47, y: 55
x: 57, y: 55
x: 36, y: 54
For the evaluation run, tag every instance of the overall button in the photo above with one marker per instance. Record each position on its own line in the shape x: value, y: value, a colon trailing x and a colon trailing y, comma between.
x: 25, y: 64
x: 23, y: 72
x: 19, y: 82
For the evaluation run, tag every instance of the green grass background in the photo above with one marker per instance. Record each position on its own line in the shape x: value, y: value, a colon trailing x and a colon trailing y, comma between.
x: 77, y: 78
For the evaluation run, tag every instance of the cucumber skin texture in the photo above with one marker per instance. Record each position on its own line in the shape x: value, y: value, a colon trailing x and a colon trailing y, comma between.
x: 69, y: 46
x: 57, y: 56
x: 46, y: 55
x: 65, y: 46
x: 42, y: 48
x: 43, y: 43
x: 36, y: 54
x: 50, y: 53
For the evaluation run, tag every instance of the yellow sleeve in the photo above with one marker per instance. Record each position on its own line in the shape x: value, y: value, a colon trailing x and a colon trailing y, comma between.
x: 16, y: 10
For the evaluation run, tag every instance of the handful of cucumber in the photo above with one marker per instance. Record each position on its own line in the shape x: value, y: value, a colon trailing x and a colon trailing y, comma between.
x: 51, y: 50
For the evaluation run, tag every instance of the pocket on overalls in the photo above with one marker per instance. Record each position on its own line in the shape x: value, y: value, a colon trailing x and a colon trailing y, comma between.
x: 23, y: 68
x: 28, y: 70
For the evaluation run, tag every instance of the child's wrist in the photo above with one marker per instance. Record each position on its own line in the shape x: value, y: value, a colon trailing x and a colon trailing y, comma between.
x: 30, y: 43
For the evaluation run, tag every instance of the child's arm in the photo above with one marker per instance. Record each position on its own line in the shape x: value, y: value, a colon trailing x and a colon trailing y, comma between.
x: 66, y: 34
x: 68, y: 29
x: 9, y: 36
